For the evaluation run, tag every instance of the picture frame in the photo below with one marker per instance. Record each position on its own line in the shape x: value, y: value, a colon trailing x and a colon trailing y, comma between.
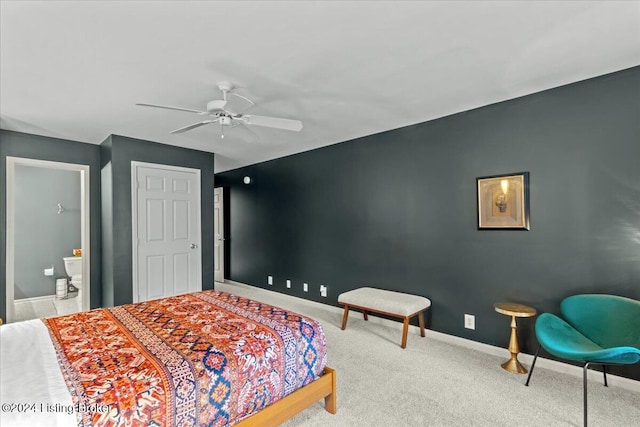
x: 503, y: 202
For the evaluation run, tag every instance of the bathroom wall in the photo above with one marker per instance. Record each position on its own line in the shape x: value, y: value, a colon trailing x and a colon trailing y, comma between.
x: 44, y: 237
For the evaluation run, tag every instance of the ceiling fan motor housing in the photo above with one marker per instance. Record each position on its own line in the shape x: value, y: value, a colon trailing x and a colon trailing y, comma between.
x: 225, y: 120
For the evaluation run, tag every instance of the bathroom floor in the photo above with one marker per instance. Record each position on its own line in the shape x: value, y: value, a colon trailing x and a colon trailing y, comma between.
x: 25, y: 310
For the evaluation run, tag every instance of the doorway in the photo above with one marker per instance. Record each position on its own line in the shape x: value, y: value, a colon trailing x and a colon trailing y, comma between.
x: 47, y: 221
x: 166, y: 223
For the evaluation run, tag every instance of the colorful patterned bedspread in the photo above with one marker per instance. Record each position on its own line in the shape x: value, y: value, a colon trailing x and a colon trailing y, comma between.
x: 206, y: 358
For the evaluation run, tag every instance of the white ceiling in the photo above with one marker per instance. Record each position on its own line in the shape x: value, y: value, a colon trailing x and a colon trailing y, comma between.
x: 75, y: 70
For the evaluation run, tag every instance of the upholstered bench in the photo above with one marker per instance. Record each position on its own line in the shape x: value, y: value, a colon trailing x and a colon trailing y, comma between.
x: 389, y: 303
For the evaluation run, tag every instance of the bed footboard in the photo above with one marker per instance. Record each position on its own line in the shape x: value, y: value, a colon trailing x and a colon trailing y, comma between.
x: 285, y: 408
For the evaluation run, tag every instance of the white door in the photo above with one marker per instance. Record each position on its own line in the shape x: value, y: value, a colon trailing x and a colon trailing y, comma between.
x: 218, y: 229
x: 167, y: 259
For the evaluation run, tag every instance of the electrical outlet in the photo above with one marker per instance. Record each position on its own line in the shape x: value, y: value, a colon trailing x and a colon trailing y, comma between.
x: 270, y: 280
x: 288, y: 284
x: 470, y: 321
x: 305, y: 287
x: 323, y: 290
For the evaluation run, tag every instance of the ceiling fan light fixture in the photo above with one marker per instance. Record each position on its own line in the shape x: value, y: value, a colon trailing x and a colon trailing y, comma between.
x: 216, y: 105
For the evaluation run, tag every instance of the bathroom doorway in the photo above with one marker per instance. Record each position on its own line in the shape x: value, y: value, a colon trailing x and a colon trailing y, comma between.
x: 47, y: 238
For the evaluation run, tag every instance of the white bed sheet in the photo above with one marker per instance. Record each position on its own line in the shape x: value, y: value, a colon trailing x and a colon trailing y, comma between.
x: 32, y: 389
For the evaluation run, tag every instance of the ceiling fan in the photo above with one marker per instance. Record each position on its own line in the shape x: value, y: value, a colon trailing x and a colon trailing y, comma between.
x: 224, y: 112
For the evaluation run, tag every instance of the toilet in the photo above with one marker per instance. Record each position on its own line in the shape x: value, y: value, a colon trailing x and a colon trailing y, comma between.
x: 73, y: 266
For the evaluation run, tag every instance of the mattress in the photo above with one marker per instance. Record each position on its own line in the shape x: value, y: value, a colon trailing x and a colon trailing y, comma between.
x: 209, y: 358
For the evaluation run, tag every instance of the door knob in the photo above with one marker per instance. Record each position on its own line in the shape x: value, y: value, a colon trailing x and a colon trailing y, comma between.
x: 193, y: 246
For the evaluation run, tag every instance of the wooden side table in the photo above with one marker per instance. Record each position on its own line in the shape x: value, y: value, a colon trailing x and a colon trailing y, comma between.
x: 514, y: 310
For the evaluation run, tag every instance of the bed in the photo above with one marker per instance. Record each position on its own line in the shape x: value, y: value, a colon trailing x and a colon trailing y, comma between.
x: 205, y: 358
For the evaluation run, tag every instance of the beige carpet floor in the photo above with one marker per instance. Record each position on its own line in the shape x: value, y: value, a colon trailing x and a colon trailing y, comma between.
x: 435, y: 383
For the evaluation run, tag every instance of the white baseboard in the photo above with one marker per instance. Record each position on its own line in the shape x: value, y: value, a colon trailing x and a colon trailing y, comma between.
x: 34, y: 299
x: 552, y: 365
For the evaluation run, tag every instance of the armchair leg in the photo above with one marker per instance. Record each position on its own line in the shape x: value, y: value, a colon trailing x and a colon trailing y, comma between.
x: 584, y: 397
x: 604, y: 372
x: 532, y: 366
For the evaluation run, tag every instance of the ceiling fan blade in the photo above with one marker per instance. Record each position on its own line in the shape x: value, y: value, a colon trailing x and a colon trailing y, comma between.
x: 167, y: 107
x: 252, y: 136
x: 274, y: 122
x: 237, y: 104
x: 193, y: 126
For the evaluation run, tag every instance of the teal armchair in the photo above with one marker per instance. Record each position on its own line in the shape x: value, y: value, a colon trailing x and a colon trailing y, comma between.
x: 595, y: 329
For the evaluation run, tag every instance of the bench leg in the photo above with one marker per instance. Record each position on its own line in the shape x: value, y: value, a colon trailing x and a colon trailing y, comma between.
x: 345, y: 316
x: 421, y: 321
x: 364, y: 313
x: 405, y: 329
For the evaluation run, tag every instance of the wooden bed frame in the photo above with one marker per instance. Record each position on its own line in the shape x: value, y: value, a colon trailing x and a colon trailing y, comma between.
x: 289, y: 406
x: 285, y: 408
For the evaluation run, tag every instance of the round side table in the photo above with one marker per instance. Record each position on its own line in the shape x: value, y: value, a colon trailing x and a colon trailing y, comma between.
x: 514, y: 310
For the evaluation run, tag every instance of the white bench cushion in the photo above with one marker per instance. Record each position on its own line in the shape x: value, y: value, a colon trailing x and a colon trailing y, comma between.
x: 388, y: 301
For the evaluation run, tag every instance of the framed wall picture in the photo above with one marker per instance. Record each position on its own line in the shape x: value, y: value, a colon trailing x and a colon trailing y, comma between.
x: 503, y: 202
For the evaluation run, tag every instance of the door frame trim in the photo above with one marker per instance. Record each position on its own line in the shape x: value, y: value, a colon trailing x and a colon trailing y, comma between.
x: 85, y: 226
x: 134, y: 215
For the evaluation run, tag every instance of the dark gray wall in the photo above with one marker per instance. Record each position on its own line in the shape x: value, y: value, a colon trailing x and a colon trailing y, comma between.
x: 42, y: 236
x: 17, y: 144
x: 397, y: 210
x: 119, y: 152
x: 106, y: 185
